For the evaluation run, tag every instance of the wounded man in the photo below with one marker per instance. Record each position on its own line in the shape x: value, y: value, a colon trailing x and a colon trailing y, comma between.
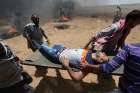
x: 72, y: 58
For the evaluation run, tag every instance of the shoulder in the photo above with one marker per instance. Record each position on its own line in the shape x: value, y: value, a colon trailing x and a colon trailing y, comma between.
x: 29, y: 25
x: 131, y: 47
x: 126, y: 47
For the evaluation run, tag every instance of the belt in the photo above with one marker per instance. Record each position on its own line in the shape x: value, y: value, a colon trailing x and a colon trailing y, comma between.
x: 60, y: 51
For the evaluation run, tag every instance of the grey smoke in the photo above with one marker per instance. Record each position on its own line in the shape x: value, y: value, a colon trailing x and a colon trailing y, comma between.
x: 19, y: 11
x: 47, y: 9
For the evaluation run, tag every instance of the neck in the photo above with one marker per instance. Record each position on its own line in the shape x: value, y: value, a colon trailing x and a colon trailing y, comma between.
x: 127, y: 27
x: 37, y: 25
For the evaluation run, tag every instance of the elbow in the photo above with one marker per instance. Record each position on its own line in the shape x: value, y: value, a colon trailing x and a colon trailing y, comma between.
x: 77, y: 78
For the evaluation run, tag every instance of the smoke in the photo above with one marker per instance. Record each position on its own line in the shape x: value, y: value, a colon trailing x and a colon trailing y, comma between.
x: 18, y: 12
x: 49, y: 8
x: 44, y: 8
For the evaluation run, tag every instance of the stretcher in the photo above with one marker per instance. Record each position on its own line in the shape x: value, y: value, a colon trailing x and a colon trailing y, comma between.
x: 37, y: 59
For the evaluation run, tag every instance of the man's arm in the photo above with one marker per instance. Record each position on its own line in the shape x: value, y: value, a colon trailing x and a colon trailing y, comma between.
x: 30, y: 40
x: 107, y: 32
x: 46, y: 37
x: 26, y: 34
x: 76, y: 75
x: 91, y: 68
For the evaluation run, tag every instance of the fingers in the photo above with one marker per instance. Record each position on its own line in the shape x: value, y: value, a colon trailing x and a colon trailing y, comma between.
x: 83, y: 65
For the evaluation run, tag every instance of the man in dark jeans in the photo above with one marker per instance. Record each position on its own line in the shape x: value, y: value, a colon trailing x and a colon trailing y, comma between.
x: 12, y: 77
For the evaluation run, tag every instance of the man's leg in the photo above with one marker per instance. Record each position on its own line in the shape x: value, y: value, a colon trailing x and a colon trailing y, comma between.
x: 50, y: 54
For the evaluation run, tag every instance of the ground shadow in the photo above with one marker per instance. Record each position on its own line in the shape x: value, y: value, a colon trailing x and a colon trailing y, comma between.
x: 106, y: 83
x: 40, y: 71
x: 60, y: 85
x: 18, y: 89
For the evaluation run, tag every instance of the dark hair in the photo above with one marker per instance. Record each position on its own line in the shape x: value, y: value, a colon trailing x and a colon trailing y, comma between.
x: 135, y: 14
x: 34, y: 16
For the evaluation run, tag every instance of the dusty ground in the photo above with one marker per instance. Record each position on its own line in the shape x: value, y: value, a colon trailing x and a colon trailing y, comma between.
x: 79, y: 32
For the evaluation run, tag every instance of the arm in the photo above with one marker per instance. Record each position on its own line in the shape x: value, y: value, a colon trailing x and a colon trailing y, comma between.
x: 46, y: 37
x: 76, y: 75
x: 26, y: 33
x: 107, y: 32
x: 91, y: 68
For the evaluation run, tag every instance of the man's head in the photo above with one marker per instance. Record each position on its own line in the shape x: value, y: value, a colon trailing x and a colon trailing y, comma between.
x: 35, y: 19
x: 99, y: 57
x: 132, y: 19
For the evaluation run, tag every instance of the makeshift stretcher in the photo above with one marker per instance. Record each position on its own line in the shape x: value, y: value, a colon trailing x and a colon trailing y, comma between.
x: 37, y: 59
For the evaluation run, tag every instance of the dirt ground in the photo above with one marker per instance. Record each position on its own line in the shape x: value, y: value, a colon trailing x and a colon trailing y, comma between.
x: 76, y: 36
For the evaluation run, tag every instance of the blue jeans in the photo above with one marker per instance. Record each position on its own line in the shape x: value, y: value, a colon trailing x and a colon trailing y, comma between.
x: 51, y: 52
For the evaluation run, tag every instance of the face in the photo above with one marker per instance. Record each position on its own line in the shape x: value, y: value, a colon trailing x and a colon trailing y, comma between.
x: 36, y: 21
x: 100, y: 58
